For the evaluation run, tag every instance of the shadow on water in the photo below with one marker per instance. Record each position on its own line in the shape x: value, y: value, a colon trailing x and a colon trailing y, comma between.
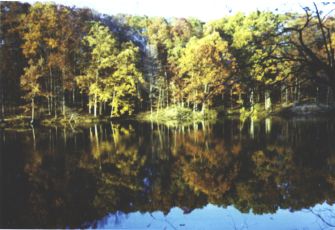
x: 68, y: 177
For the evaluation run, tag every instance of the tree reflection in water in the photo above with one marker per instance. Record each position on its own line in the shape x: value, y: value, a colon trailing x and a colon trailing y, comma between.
x: 72, y: 178
x: 325, y: 216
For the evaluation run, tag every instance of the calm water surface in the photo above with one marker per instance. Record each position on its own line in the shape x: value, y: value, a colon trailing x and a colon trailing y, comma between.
x: 228, y: 175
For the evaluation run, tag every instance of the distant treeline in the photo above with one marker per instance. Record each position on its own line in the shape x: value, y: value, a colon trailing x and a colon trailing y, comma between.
x: 56, y: 58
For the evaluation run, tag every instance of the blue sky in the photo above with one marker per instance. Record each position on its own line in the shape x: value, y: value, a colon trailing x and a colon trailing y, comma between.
x: 203, y: 9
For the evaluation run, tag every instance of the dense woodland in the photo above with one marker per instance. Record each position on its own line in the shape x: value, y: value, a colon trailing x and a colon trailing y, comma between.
x: 57, y: 59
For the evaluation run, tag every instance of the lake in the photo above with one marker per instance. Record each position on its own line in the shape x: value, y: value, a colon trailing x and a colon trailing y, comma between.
x: 226, y: 175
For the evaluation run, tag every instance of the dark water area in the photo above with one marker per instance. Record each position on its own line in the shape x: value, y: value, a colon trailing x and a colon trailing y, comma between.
x: 228, y: 175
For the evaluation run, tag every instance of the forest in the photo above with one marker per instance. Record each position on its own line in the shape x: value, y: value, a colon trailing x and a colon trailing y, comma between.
x: 63, y: 63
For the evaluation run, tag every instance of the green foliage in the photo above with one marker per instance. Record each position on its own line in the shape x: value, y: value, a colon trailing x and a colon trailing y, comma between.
x: 175, y: 115
x: 124, y: 80
x: 111, y: 75
x: 205, y: 65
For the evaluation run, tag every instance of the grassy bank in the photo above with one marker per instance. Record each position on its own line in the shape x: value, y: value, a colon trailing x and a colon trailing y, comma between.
x: 175, y: 115
x: 79, y: 120
x: 15, y: 121
x: 258, y: 111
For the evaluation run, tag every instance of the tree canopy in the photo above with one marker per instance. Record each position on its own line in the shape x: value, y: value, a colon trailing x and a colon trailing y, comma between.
x: 121, y: 65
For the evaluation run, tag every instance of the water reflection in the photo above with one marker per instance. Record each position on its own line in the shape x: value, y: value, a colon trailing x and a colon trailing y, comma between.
x: 74, y: 177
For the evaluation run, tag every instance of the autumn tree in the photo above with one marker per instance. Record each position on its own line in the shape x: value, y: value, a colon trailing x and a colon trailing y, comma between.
x: 12, y: 59
x: 182, y: 30
x: 112, y: 74
x: 122, y: 85
x: 31, y: 83
x: 102, y: 55
x: 250, y: 42
x: 206, y: 64
x: 38, y: 30
x: 158, y: 35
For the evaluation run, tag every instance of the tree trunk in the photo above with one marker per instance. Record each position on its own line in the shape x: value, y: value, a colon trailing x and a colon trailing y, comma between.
x: 204, y: 102
x: 51, y: 91
x: 195, y: 103
x: 231, y: 99
x: 2, y: 106
x: 95, y: 94
x: 162, y: 99
x: 82, y: 100
x: 64, y: 108
x: 268, y: 125
x: 32, y: 110
x: 203, y: 108
x: 150, y: 95
x: 167, y: 97
x: 100, y: 108
x: 73, y: 96
x: 34, y: 137
x: 95, y: 104
x: 89, y: 104
x: 252, y: 128
x: 252, y: 100
x: 240, y: 99
x: 298, y: 92
x: 49, y: 106
x: 159, y: 99
x: 267, y: 101
x: 112, y: 108
x: 63, y: 93
x: 55, y: 107
x: 55, y: 95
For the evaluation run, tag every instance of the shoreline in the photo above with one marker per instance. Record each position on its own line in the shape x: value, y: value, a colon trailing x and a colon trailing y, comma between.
x: 172, y: 116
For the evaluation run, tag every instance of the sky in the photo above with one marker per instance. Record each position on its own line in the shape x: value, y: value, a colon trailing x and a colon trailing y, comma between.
x: 205, y: 10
